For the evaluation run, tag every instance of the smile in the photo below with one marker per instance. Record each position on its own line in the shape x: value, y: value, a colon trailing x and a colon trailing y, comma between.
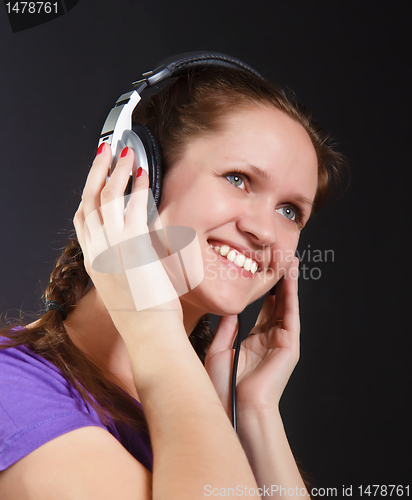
x: 236, y: 258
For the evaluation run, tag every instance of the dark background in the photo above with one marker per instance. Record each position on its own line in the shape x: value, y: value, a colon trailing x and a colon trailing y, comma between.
x: 347, y: 406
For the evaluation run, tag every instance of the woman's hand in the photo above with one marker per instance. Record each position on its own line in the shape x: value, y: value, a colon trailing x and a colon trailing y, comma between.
x: 116, y: 243
x: 267, y: 356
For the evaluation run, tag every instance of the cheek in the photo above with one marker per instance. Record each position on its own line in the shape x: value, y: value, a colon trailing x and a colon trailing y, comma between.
x: 177, y: 200
x: 197, y: 203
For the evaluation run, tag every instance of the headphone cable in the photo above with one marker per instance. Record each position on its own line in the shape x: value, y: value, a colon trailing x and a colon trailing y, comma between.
x: 234, y: 373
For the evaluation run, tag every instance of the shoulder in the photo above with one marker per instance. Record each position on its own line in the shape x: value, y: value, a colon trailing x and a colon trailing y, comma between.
x: 85, y: 463
x: 52, y: 442
x: 37, y: 404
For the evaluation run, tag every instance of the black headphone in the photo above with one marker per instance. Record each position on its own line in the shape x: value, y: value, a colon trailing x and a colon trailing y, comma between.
x: 118, y: 130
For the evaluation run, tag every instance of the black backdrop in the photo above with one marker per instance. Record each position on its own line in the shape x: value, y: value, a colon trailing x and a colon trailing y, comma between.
x: 346, y: 408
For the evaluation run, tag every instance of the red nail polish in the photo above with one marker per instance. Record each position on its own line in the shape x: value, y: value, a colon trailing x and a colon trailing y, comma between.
x: 100, y: 148
x: 124, y: 152
x: 139, y: 172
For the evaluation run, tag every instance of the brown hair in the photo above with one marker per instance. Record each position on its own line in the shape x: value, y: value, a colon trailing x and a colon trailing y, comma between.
x: 194, y: 105
x: 190, y: 106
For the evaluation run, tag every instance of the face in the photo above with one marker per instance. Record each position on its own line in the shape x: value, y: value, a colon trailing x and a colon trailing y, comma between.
x: 247, y: 191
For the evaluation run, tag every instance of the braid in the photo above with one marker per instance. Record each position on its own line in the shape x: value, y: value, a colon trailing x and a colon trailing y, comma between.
x: 202, y: 337
x: 69, y: 278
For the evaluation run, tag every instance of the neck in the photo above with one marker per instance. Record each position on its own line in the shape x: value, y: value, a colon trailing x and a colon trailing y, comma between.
x: 191, y: 315
x: 91, y: 329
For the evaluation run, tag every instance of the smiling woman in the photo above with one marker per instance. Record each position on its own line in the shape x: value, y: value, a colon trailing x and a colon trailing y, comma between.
x: 248, y: 180
x: 112, y: 400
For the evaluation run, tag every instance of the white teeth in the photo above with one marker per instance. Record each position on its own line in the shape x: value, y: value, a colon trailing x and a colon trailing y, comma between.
x: 224, y: 250
x: 237, y: 258
x: 231, y: 256
x: 248, y: 264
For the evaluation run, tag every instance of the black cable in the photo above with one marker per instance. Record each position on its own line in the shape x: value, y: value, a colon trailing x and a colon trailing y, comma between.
x: 234, y: 373
x: 236, y: 345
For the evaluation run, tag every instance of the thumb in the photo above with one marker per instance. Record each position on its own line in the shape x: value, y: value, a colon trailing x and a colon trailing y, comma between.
x: 225, y: 334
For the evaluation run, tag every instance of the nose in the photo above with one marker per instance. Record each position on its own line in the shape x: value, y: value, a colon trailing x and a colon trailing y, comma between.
x: 259, y: 223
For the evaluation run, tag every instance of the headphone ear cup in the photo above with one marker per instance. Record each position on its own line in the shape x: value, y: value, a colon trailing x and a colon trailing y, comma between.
x: 154, y: 161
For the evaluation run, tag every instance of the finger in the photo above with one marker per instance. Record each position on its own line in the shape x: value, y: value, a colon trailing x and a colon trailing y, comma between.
x: 96, y: 180
x: 88, y: 214
x: 112, y: 197
x: 138, y: 247
x: 95, y: 235
x: 278, y: 310
x: 78, y: 223
x: 225, y: 334
x: 83, y: 237
x: 290, y: 298
x: 266, y: 310
x: 136, y: 212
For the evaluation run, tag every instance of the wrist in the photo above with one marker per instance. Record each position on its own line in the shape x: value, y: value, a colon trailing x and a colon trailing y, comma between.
x: 154, y: 325
x: 263, y: 438
x: 254, y: 424
x: 258, y: 412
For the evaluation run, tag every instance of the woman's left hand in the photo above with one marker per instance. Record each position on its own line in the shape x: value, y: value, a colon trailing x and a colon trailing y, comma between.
x: 267, y: 356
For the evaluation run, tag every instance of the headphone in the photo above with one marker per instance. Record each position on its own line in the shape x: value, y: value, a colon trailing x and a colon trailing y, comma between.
x: 119, y: 132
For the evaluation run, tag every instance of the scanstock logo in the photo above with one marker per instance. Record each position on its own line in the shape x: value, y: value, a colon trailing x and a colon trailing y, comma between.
x: 149, y: 268
x: 26, y: 15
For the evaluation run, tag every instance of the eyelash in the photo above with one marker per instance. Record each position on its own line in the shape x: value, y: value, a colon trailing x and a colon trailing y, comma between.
x: 298, y: 213
x: 240, y: 174
x: 244, y: 176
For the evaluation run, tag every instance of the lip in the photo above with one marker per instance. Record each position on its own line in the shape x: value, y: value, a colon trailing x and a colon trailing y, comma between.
x: 243, y: 250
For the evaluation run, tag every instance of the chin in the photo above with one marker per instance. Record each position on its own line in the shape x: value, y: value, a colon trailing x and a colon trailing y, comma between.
x: 218, y: 298
x: 218, y: 310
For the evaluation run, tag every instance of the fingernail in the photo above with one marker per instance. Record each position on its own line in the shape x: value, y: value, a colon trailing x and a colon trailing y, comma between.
x: 139, y: 172
x: 101, y: 147
x: 124, y: 152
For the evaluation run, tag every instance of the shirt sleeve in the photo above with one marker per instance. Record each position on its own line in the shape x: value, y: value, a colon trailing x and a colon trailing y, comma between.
x: 37, y: 404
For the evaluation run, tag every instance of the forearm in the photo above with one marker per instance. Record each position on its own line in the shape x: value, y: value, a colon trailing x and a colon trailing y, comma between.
x: 193, y: 442
x: 265, y: 443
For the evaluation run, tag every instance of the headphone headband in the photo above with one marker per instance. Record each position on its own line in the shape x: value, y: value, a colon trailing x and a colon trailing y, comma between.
x: 177, y: 65
x: 120, y: 117
x: 118, y: 131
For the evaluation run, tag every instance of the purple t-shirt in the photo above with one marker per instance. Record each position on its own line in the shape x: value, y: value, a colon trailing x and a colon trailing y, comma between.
x: 38, y: 404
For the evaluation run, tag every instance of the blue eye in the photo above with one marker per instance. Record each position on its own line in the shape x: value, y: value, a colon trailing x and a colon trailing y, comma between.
x: 236, y: 179
x: 288, y: 212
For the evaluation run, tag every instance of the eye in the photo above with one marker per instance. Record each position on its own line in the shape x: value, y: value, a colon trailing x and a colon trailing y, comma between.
x: 289, y: 212
x: 236, y: 179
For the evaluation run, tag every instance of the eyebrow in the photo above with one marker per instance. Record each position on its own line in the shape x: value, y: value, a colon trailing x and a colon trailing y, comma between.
x: 263, y: 173
x: 306, y: 201
x: 260, y: 172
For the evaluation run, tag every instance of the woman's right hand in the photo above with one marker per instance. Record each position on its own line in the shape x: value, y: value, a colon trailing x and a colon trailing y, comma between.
x: 111, y: 237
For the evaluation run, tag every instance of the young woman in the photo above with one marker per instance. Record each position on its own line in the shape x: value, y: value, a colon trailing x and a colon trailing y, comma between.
x: 244, y: 167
